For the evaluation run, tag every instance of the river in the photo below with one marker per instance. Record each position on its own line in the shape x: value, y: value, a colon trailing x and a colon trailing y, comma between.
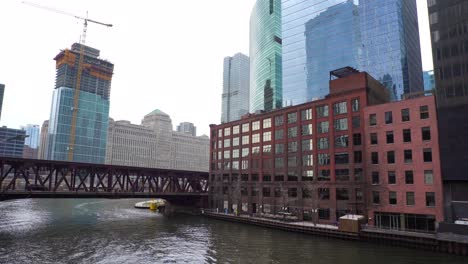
x: 112, y: 231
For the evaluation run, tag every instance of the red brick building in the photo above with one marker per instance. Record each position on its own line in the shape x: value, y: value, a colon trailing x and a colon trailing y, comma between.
x: 403, y: 164
x: 312, y: 161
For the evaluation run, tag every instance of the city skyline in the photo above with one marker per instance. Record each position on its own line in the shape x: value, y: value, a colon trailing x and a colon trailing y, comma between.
x: 156, y: 85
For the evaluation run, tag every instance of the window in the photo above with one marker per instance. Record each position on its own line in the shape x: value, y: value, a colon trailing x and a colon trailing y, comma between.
x: 342, y: 194
x: 428, y: 177
x: 358, y: 174
x: 279, y: 148
x: 266, y: 149
x: 409, y: 177
x: 235, y: 153
x: 406, y: 135
x: 324, y: 175
x: 373, y: 139
x: 405, y: 115
x: 430, y: 199
x: 340, y: 108
x: 255, y: 125
x: 245, y: 127
x: 390, y: 139
x: 357, y: 139
x: 408, y: 155
x: 391, y: 157
x: 292, y: 132
x: 357, y: 156
x: 342, y: 174
x: 279, y: 121
x: 279, y: 163
x: 372, y: 119
x: 277, y: 191
x: 235, y: 141
x: 220, y: 132
x: 324, y: 213
x: 322, y: 127
x: 355, y: 105
x: 279, y: 134
x: 322, y: 143
x: 292, y: 118
x: 307, y: 145
x: 306, y: 130
x: 392, y: 198
x: 235, y: 130
x: 323, y: 159
x: 375, y: 178
x: 306, y: 193
x: 322, y: 111
x: 266, y: 136
x: 409, y: 198
x: 245, y: 140
x: 245, y: 152
x: 227, y: 143
x: 255, y: 138
x: 424, y: 112
x: 307, y: 160
x: 227, y: 131
x: 292, y: 147
x: 427, y: 155
x: 426, y: 133
x: 266, y: 191
x: 307, y: 175
x: 227, y: 154
x: 356, y: 121
x: 375, y: 197
x: 388, y: 117
x: 375, y: 158
x: 267, y: 123
x: 359, y: 195
x: 292, y: 192
x: 292, y: 161
x: 341, y: 158
x: 306, y: 114
x: 256, y: 150
x: 341, y: 141
x: 341, y: 124
x: 391, y: 177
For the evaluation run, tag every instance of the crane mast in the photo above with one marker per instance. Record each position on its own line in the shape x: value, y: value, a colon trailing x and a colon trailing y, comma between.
x: 76, y: 93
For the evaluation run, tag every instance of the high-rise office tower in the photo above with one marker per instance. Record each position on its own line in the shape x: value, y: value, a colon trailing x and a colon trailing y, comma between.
x: 265, y: 56
x: 11, y: 142
x: 379, y: 37
x: 2, y: 92
x: 235, y: 97
x: 187, y: 128
x: 93, y: 106
x: 448, y: 20
x: 31, y: 142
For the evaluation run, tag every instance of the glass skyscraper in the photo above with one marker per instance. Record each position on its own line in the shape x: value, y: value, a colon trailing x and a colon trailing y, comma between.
x: 93, y: 107
x: 380, y: 37
x: 265, y: 56
x: 32, y: 133
x: 235, y: 97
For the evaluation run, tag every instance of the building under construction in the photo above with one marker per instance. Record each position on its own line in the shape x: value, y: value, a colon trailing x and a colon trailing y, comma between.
x: 90, y: 128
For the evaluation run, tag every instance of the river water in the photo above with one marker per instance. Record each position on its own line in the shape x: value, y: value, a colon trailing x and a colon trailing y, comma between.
x: 112, y: 231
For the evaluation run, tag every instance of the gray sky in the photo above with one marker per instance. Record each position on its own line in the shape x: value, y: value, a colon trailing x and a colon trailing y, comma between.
x: 168, y: 54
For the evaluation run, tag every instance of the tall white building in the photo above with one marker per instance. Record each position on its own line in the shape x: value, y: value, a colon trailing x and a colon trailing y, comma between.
x: 32, y: 133
x: 44, y: 140
x: 236, y: 91
x: 154, y: 144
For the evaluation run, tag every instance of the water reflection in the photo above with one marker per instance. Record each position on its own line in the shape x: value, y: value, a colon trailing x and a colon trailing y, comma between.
x: 112, y: 231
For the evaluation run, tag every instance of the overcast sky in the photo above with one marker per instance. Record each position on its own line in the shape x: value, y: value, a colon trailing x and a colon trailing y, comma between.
x: 168, y: 54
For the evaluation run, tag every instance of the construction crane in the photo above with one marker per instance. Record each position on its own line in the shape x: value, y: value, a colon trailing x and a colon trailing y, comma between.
x: 76, y: 95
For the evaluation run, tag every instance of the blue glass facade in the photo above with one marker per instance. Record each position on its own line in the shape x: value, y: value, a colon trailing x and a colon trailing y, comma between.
x: 11, y: 142
x: 429, y: 81
x: 380, y: 37
x: 265, y: 56
x: 92, y: 111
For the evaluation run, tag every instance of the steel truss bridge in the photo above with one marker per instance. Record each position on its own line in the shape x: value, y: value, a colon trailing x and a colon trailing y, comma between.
x: 30, y: 178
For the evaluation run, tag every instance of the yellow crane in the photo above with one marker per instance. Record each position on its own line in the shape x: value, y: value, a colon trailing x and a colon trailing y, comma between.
x: 76, y: 95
